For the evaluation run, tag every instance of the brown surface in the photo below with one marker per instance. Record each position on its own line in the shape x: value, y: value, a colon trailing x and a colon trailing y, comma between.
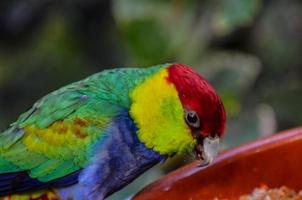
x: 275, y: 161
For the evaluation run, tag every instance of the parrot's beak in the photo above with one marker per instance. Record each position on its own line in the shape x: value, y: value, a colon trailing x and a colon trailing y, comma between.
x: 206, y: 150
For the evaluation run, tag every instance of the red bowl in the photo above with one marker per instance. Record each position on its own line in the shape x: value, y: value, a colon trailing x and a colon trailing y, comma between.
x: 274, y: 161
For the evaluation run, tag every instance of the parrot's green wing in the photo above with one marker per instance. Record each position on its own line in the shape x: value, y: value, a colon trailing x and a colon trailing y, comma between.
x: 54, y: 137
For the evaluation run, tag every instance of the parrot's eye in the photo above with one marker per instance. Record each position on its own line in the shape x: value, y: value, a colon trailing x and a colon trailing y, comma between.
x: 192, y: 119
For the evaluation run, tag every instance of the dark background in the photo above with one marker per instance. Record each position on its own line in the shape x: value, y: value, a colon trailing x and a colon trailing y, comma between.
x: 250, y: 50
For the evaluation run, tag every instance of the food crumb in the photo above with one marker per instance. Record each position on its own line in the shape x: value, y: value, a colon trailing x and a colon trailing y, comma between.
x: 264, y: 193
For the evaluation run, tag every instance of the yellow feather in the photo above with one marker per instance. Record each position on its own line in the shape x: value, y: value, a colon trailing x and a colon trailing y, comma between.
x: 158, y: 114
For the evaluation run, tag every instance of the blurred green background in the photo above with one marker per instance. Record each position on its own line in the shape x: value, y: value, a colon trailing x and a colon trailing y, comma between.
x: 250, y: 50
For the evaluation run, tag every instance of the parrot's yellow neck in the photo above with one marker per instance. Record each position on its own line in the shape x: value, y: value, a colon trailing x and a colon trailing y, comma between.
x: 158, y: 115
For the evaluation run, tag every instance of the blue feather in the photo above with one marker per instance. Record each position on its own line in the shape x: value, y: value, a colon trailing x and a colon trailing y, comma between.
x: 118, y: 160
x: 11, y: 183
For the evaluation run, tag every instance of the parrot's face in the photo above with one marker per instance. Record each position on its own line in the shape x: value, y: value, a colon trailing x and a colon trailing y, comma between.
x: 176, y: 110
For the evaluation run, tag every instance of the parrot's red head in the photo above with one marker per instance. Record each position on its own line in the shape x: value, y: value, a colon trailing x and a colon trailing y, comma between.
x: 204, y: 111
x: 176, y: 110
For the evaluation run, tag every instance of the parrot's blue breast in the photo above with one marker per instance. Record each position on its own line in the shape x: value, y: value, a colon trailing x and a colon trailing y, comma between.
x: 117, y: 160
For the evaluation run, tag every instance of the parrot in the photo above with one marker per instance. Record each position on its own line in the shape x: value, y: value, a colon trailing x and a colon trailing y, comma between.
x: 91, y: 138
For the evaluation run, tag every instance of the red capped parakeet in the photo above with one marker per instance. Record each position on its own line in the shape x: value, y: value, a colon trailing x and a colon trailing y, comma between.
x: 93, y: 137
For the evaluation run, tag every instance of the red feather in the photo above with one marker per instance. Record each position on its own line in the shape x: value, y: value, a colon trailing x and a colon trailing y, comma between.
x: 197, y: 94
